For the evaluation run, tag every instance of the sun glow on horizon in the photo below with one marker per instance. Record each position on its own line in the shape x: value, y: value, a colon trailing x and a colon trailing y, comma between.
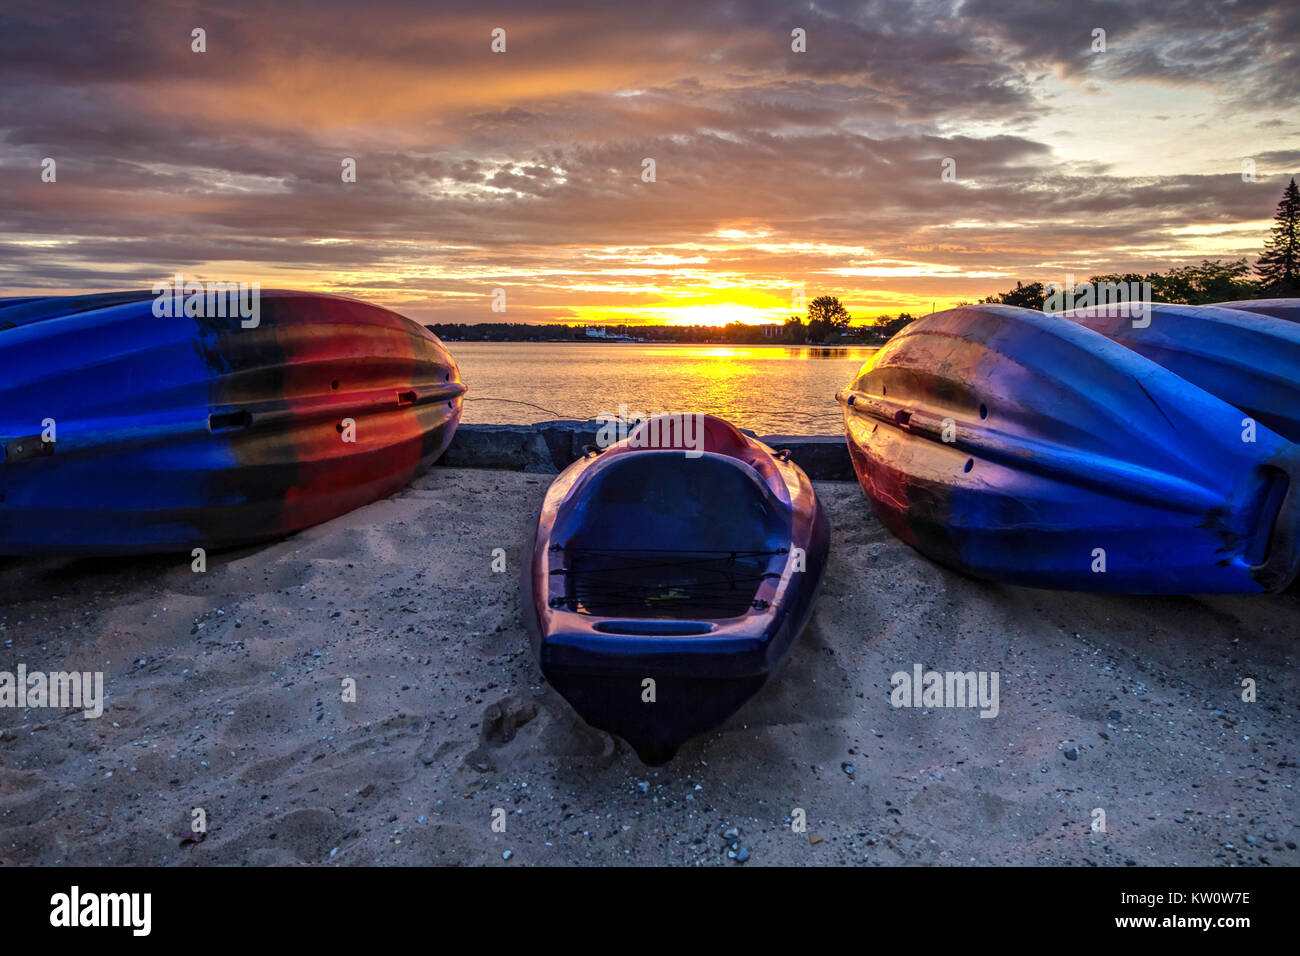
x: 719, y: 313
x: 748, y: 308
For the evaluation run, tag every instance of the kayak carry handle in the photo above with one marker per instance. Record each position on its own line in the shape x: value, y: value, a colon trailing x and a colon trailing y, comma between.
x: 654, y: 628
x: 228, y: 421
x: 1282, y: 564
x: 32, y: 446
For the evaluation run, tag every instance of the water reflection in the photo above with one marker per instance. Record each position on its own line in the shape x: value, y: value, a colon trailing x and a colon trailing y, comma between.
x: 771, y: 389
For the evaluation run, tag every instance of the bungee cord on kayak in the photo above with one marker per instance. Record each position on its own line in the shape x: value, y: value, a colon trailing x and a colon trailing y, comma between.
x: 699, y: 580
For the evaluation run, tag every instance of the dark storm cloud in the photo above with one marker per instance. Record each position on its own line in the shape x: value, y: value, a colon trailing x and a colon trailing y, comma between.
x: 1246, y: 46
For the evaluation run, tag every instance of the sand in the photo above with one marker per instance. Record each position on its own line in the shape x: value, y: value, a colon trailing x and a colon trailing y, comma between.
x: 224, y: 694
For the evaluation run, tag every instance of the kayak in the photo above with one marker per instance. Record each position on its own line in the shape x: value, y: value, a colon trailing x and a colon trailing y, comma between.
x: 126, y: 432
x: 685, y: 557
x: 1024, y: 448
x: 1250, y: 360
x: 1278, y: 308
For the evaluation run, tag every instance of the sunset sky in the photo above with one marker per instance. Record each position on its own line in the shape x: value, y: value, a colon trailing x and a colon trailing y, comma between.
x: 522, y: 170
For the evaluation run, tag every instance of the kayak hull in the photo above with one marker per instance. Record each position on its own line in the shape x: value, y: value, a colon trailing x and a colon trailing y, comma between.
x: 1278, y: 308
x: 1250, y: 360
x: 1023, y: 448
x: 173, y: 433
x: 716, y: 562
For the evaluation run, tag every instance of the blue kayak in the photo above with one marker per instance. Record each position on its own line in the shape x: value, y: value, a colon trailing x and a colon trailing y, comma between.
x: 1024, y: 448
x: 695, y: 572
x: 123, y: 431
x: 1278, y: 308
x: 1250, y: 360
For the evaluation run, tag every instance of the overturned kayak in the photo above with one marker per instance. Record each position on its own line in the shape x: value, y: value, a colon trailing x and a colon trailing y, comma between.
x: 1025, y: 448
x: 1278, y: 308
x: 1250, y: 360
x: 125, y: 432
x: 670, y: 576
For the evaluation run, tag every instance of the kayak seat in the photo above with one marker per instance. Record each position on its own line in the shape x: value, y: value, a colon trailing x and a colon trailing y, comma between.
x: 659, y: 535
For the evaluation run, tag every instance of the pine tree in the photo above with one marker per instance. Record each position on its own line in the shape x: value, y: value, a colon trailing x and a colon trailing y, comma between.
x: 1279, y: 266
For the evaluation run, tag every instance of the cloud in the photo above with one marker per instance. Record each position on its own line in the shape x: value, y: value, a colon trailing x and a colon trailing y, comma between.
x: 524, y: 168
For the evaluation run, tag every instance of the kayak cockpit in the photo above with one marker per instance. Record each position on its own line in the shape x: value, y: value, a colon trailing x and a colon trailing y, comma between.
x: 661, y: 536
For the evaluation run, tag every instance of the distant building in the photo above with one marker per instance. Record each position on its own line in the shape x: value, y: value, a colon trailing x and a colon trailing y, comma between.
x: 772, y: 331
x: 620, y: 334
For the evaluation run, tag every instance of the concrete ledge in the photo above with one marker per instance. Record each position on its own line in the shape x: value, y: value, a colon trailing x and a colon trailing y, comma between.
x: 549, y: 447
x: 509, y: 447
x: 822, y: 457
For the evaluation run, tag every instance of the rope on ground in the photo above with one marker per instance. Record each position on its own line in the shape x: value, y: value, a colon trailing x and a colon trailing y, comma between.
x: 515, y: 401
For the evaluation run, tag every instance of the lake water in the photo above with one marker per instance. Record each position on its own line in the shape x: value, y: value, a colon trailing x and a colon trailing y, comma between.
x: 770, y: 389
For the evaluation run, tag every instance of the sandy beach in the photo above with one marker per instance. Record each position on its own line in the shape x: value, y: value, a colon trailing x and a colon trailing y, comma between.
x: 224, y: 693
